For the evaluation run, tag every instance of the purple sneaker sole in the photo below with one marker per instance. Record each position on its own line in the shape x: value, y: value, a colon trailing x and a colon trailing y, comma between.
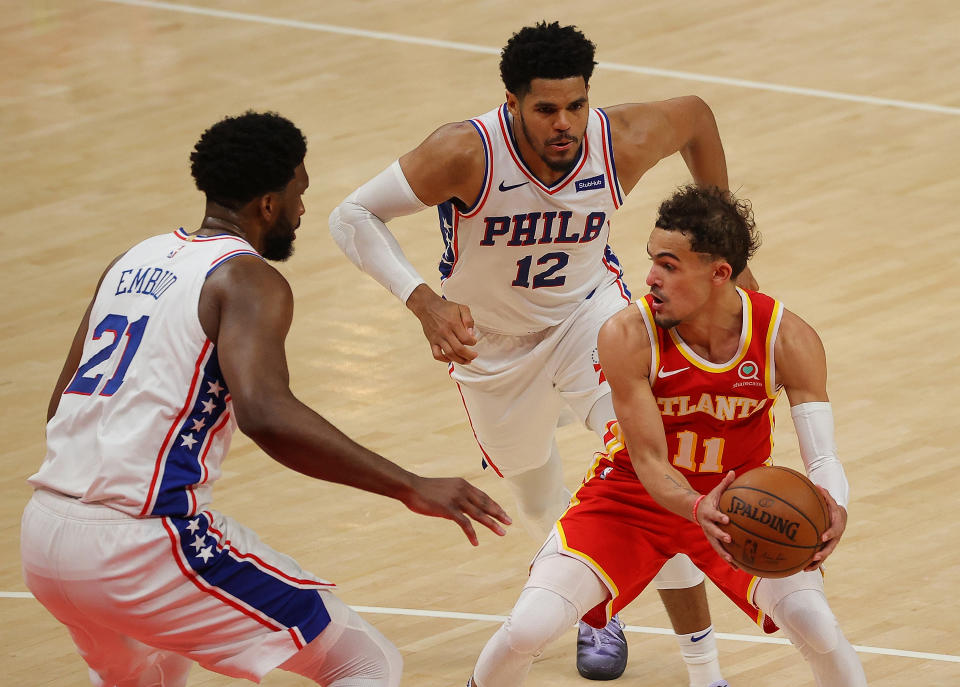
x: 601, y: 654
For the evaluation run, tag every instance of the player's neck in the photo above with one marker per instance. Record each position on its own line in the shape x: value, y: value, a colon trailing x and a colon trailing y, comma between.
x: 714, y: 332
x: 218, y: 219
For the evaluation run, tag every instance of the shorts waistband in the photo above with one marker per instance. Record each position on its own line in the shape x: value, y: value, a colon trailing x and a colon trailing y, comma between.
x: 70, y: 506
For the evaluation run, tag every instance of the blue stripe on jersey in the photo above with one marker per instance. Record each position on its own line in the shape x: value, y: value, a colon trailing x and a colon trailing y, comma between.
x: 279, y: 600
x: 182, y: 467
x: 611, y: 259
x: 487, y: 161
x: 446, y: 210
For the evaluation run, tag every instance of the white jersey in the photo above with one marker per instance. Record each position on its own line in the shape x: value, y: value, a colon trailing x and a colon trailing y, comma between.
x: 146, y: 420
x: 525, y: 255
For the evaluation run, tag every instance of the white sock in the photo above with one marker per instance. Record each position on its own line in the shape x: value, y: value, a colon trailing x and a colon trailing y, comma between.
x: 699, y: 651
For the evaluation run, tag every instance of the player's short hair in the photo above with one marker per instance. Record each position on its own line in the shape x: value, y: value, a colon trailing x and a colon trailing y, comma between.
x: 715, y: 221
x: 240, y: 158
x: 545, y: 51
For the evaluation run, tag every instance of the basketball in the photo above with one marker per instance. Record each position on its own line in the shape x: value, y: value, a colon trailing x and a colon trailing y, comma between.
x: 777, y: 517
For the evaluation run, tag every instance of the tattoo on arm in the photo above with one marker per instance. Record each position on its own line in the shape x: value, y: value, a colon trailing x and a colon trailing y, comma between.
x: 677, y: 485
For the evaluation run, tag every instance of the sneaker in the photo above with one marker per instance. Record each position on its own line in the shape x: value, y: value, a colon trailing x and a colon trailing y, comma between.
x: 718, y: 683
x: 602, y: 654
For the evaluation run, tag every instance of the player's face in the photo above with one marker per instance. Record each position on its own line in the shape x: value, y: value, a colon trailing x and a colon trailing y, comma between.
x: 679, y: 279
x: 553, y: 119
x: 279, y: 237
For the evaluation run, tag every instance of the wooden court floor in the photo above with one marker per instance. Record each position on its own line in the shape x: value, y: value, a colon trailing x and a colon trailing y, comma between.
x: 841, y: 122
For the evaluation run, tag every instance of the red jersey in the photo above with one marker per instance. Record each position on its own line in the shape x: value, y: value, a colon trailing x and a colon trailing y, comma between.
x: 717, y: 416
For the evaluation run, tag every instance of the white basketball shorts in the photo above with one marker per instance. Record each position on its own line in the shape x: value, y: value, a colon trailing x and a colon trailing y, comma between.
x: 205, y: 587
x: 516, y: 388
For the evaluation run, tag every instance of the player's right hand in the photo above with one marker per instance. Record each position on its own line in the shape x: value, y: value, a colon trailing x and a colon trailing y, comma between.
x: 448, y: 326
x: 710, y: 517
x: 456, y: 499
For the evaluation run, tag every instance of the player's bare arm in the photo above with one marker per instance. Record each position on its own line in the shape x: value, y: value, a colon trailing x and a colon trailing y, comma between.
x: 802, y: 370
x: 645, y: 133
x: 623, y: 346
x: 246, y: 308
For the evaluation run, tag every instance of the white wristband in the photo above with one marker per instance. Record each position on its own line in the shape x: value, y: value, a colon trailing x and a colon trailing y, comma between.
x: 357, y: 226
x: 818, y: 449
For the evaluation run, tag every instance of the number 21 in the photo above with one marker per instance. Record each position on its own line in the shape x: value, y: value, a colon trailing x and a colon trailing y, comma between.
x: 116, y: 325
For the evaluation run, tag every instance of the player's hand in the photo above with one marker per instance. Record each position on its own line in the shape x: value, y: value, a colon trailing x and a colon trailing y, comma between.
x: 831, y: 536
x: 746, y: 281
x: 710, y: 517
x: 448, y: 326
x: 456, y: 499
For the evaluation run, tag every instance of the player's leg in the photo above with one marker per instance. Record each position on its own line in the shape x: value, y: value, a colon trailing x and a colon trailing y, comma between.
x: 559, y: 591
x: 541, y: 495
x: 350, y: 652
x: 513, y: 409
x: 682, y: 590
x: 798, y: 605
x: 47, y: 534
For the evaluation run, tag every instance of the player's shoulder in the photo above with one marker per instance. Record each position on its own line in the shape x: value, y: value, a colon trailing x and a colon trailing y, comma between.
x: 626, y: 327
x: 249, y: 274
x: 796, y: 339
x: 456, y: 140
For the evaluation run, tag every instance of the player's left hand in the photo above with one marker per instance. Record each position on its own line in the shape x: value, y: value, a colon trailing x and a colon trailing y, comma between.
x: 710, y: 517
x: 456, y: 499
x: 830, y: 537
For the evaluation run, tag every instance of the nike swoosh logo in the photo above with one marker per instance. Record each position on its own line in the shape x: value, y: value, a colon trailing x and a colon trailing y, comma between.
x: 663, y: 374
x: 507, y: 188
x: 697, y: 638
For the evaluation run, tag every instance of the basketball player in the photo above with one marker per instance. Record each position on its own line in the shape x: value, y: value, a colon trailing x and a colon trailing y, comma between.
x: 694, y: 368
x: 525, y: 194
x: 182, y: 343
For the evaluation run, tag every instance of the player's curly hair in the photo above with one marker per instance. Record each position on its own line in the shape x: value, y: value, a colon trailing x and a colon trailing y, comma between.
x: 545, y: 51
x: 240, y: 158
x: 715, y: 221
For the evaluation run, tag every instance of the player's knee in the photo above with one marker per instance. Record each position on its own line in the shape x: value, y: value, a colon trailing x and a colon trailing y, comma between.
x: 538, y: 619
x: 807, y: 619
x: 678, y: 573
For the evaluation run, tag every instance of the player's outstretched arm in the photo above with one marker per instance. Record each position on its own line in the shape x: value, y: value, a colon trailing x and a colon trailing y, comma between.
x: 802, y: 370
x: 246, y: 308
x: 624, y: 349
x: 448, y: 165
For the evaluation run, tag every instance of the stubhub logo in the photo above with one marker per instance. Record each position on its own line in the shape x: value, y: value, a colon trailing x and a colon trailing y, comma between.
x: 590, y: 184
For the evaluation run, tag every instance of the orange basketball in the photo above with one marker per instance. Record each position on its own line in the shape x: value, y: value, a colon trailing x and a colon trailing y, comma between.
x: 777, y: 517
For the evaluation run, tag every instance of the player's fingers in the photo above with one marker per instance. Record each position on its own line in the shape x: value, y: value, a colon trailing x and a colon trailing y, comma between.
x: 489, y: 506
x: 467, y: 527
x: 438, y: 353
x: 467, y: 320
x: 454, y: 349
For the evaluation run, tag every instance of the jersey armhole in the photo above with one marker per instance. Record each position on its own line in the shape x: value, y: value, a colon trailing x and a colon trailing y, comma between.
x: 652, y: 335
x: 487, y: 171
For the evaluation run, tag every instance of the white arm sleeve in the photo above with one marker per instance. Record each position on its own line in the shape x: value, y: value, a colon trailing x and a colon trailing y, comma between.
x: 814, y: 424
x: 357, y: 226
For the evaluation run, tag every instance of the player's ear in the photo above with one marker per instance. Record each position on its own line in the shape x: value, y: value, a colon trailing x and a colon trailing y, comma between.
x: 721, y: 272
x: 513, y: 103
x: 268, y: 206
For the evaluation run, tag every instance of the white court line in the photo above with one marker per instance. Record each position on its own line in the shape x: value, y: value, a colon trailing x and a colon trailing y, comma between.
x: 757, y: 639
x: 470, y: 47
x: 641, y: 629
